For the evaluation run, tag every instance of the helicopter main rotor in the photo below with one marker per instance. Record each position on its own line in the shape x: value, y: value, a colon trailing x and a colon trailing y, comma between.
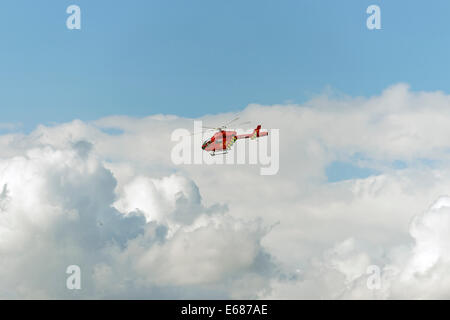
x: 225, y: 126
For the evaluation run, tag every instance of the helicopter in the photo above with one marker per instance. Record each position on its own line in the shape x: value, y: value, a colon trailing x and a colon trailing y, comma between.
x: 223, y: 139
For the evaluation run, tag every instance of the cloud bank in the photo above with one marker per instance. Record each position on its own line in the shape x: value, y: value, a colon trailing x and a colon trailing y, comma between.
x: 105, y: 195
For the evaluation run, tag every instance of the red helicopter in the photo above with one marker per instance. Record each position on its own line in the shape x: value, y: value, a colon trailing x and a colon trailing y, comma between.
x: 223, y: 139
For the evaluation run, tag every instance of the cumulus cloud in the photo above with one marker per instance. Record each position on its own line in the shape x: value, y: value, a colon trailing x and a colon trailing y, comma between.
x: 58, y: 208
x: 106, y: 196
x: 417, y: 271
x: 168, y: 200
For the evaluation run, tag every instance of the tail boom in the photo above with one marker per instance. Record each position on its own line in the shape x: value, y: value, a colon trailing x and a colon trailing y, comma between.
x: 255, y: 134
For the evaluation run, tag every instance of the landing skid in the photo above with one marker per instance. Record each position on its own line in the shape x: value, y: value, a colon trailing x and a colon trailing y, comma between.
x: 216, y: 154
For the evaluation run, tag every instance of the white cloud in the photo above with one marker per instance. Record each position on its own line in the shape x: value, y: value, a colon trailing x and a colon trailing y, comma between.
x: 56, y: 210
x: 141, y: 227
x: 172, y: 199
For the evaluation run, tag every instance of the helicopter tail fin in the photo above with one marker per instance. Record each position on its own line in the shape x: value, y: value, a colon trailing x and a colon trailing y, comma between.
x: 256, y: 132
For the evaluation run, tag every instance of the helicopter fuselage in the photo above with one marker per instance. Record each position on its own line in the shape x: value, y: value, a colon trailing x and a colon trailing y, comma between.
x: 220, y: 141
x: 223, y: 140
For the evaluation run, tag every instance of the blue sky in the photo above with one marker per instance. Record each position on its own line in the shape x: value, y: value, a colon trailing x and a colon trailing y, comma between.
x: 204, y: 56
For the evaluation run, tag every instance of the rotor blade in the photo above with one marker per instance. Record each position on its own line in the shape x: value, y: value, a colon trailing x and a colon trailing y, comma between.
x: 200, y: 132
x: 246, y: 122
x: 226, y: 124
x: 235, y: 119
